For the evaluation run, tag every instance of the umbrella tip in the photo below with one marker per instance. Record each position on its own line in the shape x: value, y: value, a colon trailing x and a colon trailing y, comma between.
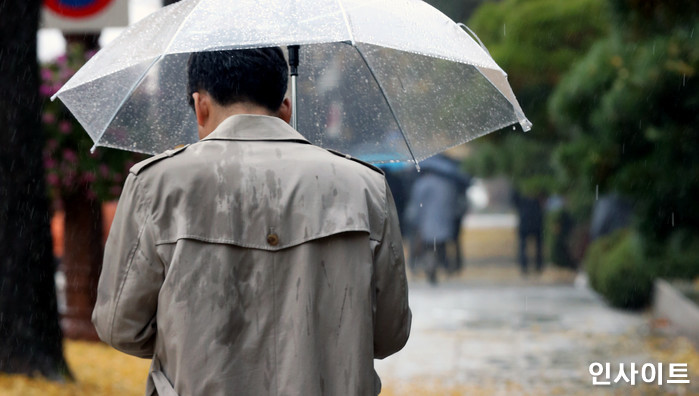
x: 92, y: 150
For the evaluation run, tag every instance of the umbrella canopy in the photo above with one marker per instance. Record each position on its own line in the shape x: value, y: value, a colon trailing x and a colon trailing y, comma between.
x: 390, y: 79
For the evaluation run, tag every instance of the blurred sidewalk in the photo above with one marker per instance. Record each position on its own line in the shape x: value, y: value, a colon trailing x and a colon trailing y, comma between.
x: 491, y: 331
x: 489, y: 237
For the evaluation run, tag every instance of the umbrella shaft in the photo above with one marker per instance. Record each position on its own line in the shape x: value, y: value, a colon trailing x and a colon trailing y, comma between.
x: 294, y: 72
x: 293, y: 102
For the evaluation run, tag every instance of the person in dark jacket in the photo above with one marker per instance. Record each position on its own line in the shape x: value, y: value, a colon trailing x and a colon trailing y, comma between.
x: 434, y: 212
x: 531, y: 225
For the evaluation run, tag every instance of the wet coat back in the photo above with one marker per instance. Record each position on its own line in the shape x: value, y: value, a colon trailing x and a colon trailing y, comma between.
x: 254, y: 263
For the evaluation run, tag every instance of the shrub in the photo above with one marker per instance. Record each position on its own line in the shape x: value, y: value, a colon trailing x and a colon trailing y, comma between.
x: 71, y: 168
x: 618, y: 270
x: 681, y: 259
x: 596, y: 253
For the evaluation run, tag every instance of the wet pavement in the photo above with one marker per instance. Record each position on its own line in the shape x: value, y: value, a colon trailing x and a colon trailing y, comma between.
x: 492, y: 332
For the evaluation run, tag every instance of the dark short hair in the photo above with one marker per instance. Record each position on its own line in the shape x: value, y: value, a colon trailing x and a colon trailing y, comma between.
x: 258, y: 75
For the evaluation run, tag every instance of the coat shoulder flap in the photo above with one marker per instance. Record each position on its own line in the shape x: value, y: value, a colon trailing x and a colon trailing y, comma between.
x: 136, y: 169
x: 349, y: 157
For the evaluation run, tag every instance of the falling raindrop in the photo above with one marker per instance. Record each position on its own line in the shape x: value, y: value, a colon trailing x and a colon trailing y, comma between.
x: 434, y: 244
x: 504, y: 29
x: 420, y: 204
x: 597, y: 193
x: 623, y: 148
x: 684, y: 79
x: 673, y: 219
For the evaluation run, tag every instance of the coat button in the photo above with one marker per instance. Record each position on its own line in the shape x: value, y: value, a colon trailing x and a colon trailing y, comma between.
x: 273, y: 239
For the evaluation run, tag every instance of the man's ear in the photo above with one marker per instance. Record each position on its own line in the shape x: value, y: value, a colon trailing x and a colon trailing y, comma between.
x: 284, y: 111
x: 202, y: 107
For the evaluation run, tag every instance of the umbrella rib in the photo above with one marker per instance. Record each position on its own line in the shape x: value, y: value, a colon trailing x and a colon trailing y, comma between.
x: 143, y: 75
x: 390, y: 107
x: 347, y: 24
x: 179, y: 28
x: 126, y: 97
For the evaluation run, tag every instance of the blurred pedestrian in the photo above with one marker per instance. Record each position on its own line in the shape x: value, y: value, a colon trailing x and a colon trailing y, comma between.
x: 610, y: 212
x: 437, y: 205
x: 399, y: 178
x: 531, y: 226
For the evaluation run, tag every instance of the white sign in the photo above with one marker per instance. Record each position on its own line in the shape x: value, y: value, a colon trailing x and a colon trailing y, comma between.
x: 84, y: 16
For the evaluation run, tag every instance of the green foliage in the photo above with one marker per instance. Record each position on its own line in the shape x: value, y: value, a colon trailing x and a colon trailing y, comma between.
x: 629, y: 112
x: 681, y: 256
x: 535, y: 42
x: 595, y: 255
x: 617, y: 269
x: 638, y: 19
x: 513, y: 156
x: 71, y: 167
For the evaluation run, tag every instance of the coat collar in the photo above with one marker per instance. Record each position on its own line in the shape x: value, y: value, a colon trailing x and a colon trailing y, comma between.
x: 255, y: 127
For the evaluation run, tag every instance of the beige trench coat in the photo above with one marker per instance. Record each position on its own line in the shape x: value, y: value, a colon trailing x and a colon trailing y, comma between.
x: 254, y: 263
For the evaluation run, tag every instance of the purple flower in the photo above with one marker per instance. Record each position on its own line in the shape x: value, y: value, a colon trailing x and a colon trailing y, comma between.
x: 65, y: 127
x: 53, y: 179
x: 45, y: 90
x: 66, y: 74
x: 49, y: 163
x: 103, y: 170
x: 46, y: 74
x: 115, y: 190
x: 91, y: 195
x: 89, y: 177
x: 48, y: 118
x: 62, y: 60
x: 69, y: 178
x: 70, y: 156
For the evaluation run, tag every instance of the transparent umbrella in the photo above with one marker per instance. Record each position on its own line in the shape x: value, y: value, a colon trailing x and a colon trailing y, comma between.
x: 389, y: 80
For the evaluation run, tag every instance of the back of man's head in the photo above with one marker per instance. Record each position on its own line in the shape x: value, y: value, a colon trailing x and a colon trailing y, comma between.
x: 257, y: 76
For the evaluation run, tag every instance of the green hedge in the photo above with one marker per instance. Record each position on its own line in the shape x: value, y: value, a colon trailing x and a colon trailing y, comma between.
x: 596, y: 254
x: 617, y: 269
x: 681, y: 256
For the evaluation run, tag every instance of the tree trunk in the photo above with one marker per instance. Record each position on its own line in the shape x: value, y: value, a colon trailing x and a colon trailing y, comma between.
x: 30, y: 335
x: 81, y: 264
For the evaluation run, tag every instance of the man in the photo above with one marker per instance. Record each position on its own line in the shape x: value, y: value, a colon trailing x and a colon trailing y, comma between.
x: 531, y: 225
x: 435, y: 210
x: 252, y: 262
